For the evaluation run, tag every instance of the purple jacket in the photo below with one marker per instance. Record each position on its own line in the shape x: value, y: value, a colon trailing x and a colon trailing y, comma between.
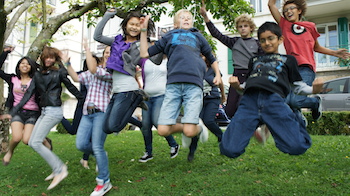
x: 115, y: 61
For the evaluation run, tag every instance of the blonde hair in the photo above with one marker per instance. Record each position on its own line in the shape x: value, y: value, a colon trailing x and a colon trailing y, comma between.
x: 245, y: 18
x: 177, y: 14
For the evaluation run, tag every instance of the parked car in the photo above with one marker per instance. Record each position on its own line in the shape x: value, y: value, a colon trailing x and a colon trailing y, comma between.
x: 336, y: 95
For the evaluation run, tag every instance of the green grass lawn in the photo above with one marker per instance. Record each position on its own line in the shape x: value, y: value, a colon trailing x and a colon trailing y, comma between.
x: 263, y: 170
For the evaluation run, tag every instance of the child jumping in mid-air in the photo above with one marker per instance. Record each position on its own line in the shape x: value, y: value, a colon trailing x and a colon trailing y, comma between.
x: 302, y: 33
x: 268, y: 83
x: 183, y: 46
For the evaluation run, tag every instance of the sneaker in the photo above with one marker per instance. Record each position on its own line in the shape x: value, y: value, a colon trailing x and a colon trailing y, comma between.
x: 186, y: 141
x: 304, y: 119
x: 101, y: 188
x: 190, y: 157
x: 84, y: 163
x: 146, y: 157
x: 174, y: 151
x: 317, y: 113
x: 262, y: 133
x: 203, y: 135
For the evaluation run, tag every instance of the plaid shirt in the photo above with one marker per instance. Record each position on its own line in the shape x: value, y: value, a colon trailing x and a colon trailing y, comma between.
x: 99, y: 88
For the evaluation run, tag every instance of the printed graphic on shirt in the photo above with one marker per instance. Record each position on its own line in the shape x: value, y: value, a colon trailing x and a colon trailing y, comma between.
x: 298, y: 30
x: 268, y: 66
x: 188, y: 39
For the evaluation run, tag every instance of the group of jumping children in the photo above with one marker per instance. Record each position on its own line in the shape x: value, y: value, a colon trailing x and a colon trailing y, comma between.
x: 180, y: 73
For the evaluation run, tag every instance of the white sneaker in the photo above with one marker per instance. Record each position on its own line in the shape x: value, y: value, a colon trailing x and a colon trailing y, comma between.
x: 262, y: 134
x: 101, y: 188
x: 203, y: 135
x: 186, y: 141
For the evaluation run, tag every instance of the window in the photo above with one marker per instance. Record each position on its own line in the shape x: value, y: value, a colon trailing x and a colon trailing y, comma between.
x: 335, y: 87
x: 329, y: 39
x: 257, y: 5
x: 261, y: 5
x: 33, y: 31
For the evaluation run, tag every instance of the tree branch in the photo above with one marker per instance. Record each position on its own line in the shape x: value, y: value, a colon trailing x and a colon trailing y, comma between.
x: 54, y: 24
x: 11, y: 24
x: 13, y: 4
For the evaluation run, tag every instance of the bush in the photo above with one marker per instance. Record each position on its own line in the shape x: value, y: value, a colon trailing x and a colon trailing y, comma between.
x: 331, y: 123
x: 61, y: 129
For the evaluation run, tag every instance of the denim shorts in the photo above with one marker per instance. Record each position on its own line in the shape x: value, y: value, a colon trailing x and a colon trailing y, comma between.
x: 26, y: 116
x: 190, y: 96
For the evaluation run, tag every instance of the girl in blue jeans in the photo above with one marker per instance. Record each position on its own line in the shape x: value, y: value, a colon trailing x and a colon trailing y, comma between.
x: 48, y: 84
x: 122, y: 63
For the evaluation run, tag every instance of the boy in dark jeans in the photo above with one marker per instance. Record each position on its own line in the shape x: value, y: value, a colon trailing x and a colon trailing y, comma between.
x: 269, y: 81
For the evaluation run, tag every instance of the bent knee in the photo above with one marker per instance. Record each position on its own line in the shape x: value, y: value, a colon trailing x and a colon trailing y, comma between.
x: 295, y: 150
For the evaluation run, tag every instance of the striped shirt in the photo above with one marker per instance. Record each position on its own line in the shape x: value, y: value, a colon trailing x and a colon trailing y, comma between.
x: 99, y: 88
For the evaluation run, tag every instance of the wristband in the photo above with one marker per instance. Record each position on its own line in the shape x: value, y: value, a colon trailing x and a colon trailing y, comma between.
x: 67, y: 64
x: 143, y: 30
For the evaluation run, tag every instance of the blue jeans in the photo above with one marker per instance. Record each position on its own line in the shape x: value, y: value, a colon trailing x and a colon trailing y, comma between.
x: 258, y: 106
x: 91, y: 139
x: 50, y: 116
x: 190, y: 96
x: 208, y: 113
x: 150, y: 118
x: 303, y: 101
x: 119, y: 110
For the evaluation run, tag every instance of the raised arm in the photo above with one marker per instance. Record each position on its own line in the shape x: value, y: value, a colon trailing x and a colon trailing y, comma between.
x: 90, y: 60
x: 101, y: 25
x: 274, y: 10
x: 143, y: 37
x: 66, y: 61
x: 203, y: 12
x: 341, y: 53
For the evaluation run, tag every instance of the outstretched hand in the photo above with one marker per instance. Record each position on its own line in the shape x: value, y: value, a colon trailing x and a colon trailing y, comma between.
x: 203, y: 10
x: 343, y: 53
x: 317, y: 85
x: 234, y: 82
x: 64, y: 56
x: 144, y: 22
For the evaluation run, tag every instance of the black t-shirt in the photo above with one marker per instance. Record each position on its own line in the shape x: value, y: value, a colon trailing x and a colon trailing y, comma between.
x: 272, y: 72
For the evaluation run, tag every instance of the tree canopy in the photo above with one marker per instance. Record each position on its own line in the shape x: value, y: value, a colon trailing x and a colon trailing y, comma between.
x: 41, y: 13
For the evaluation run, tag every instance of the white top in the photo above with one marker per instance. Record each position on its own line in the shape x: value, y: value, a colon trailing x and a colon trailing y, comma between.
x: 155, y: 78
x: 123, y: 83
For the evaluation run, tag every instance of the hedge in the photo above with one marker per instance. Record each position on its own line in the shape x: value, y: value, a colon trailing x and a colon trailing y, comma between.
x: 331, y: 123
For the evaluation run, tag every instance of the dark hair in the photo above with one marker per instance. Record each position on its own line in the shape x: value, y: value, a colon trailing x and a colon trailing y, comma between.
x: 50, y: 52
x: 33, y: 67
x: 301, y: 4
x: 151, y: 27
x: 85, y: 67
x: 270, y: 26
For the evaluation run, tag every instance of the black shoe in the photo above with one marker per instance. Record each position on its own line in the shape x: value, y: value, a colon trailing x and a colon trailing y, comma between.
x: 190, y: 157
x: 145, y: 158
x: 143, y: 105
x: 317, y: 113
x: 174, y: 151
x: 145, y: 96
x: 50, y: 142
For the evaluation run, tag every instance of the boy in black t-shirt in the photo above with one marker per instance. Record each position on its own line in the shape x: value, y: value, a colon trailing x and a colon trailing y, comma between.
x: 269, y: 80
